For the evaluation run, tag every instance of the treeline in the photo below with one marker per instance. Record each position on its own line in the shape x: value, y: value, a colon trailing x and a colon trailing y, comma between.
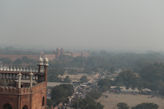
x: 102, y: 62
x: 139, y: 106
x: 87, y: 103
x: 20, y: 61
x: 150, y: 76
x: 18, y: 51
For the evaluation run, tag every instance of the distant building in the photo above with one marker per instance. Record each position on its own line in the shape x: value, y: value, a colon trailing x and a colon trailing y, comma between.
x: 14, y: 57
x: 59, y: 52
x: 24, y: 88
x: 80, y: 54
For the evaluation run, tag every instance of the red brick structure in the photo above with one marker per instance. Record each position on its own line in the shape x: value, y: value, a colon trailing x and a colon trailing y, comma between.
x: 24, y: 88
x: 14, y: 57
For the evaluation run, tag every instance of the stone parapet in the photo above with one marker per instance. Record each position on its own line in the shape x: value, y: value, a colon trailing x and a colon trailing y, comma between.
x: 9, y: 90
x: 22, y: 91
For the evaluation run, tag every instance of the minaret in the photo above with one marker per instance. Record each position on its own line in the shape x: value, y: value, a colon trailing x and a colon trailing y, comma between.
x: 40, y: 64
x: 45, y: 68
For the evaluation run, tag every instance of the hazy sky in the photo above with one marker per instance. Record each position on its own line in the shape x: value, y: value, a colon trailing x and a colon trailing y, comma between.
x: 102, y: 24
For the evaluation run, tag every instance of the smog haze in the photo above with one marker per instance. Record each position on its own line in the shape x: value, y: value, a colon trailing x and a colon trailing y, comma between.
x: 93, y: 24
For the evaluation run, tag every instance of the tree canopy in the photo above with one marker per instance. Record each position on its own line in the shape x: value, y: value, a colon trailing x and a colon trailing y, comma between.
x: 60, y: 93
x: 146, y: 106
x: 87, y: 103
x: 122, y: 106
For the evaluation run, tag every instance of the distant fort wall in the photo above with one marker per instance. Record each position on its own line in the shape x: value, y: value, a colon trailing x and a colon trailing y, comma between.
x: 55, y: 55
x: 34, y: 57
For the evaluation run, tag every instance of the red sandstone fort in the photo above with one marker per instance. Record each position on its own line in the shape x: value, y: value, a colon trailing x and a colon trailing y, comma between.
x: 24, y: 88
x: 56, y: 54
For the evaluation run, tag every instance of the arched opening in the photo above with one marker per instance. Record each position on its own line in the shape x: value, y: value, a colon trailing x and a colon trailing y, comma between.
x: 25, y: 107
x: 7, y: 106
x: 43, y: 101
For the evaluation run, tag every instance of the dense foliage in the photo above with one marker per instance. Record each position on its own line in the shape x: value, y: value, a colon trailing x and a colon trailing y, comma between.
x: 20, y: 61
x: 128, y: 79
x: 60, y: 93
x: 122, y: 106
x: 102, y: 62
x: 83, y: 79
x: 87, y: 103
x: 139, y: 106
x: 150, y: 76
x: 95, y: 94
x: 104, y: 84
x: 146, y: 106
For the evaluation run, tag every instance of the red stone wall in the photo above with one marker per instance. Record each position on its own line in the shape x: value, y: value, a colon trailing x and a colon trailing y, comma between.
x: 31, y: 98
x: 25, y: 100
x: 10, y: 99
x: 39, y: 92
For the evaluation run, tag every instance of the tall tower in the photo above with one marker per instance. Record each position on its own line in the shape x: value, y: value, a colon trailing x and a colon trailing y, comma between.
x: 22, y: 88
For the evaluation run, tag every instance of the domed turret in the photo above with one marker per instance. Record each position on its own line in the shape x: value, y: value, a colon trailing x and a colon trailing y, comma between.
x: 40, y: 61
x: 46, y: 61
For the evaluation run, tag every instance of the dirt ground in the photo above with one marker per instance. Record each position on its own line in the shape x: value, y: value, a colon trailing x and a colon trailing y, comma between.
x: 110, y: 100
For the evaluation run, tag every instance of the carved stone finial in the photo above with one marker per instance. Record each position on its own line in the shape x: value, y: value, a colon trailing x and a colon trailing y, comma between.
x: 21, y: 69
x: 7, y: 69
x: 14, y: 69
x: 40, y: 61
x: 24, y: 69
x: 10, y: 68
x: 17, y: 69
x: 4, y: 68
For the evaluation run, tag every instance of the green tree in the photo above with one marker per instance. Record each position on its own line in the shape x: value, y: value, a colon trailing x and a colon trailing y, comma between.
x: 152, y: 74
x: 104, y: 84
x: 67, y: 79
x: 122, y: 106
x: 87, y: 103
x: 128, y: 78
x: 60, y: 93
x: 95, y: 94
x: 83, y: 79
x: 146, y: 106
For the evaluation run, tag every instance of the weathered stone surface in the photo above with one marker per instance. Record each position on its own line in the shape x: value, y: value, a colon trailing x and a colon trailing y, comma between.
x: 33, y: 98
